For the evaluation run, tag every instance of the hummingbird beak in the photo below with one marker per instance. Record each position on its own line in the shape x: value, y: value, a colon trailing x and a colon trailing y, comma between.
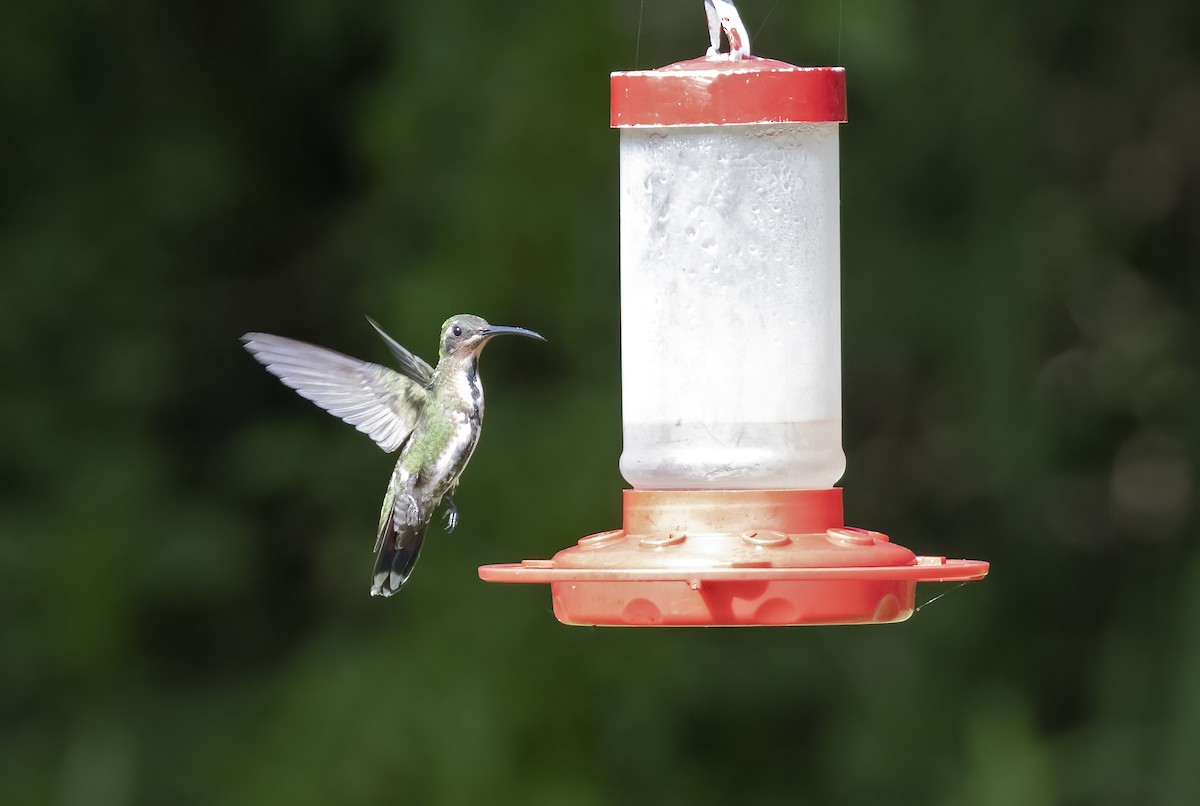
x: 498, y: 330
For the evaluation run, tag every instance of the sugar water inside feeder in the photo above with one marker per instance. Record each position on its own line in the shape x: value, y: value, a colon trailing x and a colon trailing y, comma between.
x: 730, y: 306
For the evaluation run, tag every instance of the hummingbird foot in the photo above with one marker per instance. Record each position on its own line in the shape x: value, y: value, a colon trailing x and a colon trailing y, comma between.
x: 451, y: 514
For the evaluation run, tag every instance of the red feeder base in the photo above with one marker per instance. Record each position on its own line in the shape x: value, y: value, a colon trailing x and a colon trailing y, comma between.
x: 734, y: 558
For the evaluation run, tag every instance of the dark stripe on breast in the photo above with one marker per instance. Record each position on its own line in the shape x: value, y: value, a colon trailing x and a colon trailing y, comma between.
x: 476, y: 388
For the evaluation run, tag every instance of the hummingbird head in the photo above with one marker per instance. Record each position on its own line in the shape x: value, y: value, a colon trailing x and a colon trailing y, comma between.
x: 464, y: 334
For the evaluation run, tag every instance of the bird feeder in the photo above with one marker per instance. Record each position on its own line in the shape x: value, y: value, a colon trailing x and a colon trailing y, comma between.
x: 731, y: 366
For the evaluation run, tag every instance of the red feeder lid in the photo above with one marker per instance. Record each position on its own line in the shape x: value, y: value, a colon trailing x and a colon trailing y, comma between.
x: 717, y: 91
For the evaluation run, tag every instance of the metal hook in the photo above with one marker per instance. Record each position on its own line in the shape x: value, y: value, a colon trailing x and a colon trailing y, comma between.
x: 723, y: 15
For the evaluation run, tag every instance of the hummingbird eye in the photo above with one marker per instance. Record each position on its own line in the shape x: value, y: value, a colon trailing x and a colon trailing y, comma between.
x: 456, y: 330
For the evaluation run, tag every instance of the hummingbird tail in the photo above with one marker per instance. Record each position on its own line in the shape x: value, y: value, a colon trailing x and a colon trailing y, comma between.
x: 398, y: 552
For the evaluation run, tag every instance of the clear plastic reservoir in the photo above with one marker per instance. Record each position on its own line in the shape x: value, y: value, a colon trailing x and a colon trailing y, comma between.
x: 730, y: 326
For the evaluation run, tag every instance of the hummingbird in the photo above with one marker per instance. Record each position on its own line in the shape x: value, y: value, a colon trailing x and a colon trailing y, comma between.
x: 432, y: 415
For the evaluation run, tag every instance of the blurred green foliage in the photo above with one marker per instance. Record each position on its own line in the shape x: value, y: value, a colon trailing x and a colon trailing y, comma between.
x: 185, y: 545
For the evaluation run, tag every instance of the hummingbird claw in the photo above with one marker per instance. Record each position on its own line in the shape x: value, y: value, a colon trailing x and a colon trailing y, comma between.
x: 451, y: 514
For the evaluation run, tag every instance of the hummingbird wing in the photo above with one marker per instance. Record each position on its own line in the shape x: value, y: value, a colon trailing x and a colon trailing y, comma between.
x: 380, y: 402
x: 410, y: 364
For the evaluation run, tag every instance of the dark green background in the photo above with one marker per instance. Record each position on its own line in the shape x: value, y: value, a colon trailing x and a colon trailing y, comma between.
x: 185, y: 544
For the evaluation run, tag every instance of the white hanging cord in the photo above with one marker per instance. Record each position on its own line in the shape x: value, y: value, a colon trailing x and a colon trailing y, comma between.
x: 723, y: 16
